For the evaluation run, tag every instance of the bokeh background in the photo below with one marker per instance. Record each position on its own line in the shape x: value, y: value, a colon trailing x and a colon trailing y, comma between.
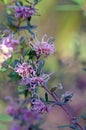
x: 65, y: 20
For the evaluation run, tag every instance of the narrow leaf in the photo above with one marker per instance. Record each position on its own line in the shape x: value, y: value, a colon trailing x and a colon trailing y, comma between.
x: 3, y: 127
x: 64, y: 126
x: 80, y: 2
x: 68, y: 8
x: 3, y: 69
x: 46, y: 97
x: 53, y: 89
x: 40, y: 66
x: 5, y: 118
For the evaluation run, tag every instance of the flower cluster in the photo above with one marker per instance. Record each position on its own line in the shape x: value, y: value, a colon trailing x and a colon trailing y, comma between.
x: 33, y: 82
x: 24, y: 11
x: 38, y: 106
x: 23, y: 114
x: 28, y: 108
x: 13, y: 109
x: 24, y: 69
x: 44, y: 48
x: 5, y: 52
x: 8, y: 44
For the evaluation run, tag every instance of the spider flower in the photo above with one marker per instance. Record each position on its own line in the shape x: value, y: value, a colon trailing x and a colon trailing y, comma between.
x: 23, y: 11
x: 38, y: 106
x: 24, y: 69
x: 43, y: 47
x: 9, y: 41
x: 5, y: 53
x: 35, y: 81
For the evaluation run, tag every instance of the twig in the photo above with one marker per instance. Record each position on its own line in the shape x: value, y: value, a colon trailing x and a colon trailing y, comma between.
x: 64, y: 108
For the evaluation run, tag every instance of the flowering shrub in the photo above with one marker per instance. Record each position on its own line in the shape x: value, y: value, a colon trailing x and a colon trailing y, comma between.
x: 27, y: 111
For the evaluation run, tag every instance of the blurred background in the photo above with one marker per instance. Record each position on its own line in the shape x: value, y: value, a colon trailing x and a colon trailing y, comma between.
x: 65, y: 20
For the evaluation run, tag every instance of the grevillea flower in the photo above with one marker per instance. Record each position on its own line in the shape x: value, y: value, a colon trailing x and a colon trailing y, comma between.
x: 16, y: 127
x: 38, y: 106
x: 21, y: 115
x: 24, y: 11
x: 9, y: 41
x: 13, y: 108
x: 28, y: 115
x: 24, y: 69
x: 34, y: 81
x: 43, y: 47
x: 5, y: 53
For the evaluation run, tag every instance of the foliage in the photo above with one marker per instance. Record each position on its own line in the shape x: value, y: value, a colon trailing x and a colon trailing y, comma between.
x: 26, y: 71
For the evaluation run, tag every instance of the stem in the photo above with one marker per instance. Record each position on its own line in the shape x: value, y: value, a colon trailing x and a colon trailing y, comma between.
x: 64, y: 108
x: 8, y: 66
x: 19, y: 23
x: 79, y: 126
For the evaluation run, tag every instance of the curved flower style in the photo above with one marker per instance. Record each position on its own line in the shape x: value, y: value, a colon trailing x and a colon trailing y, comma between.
x: 24, y: 69
x: 45, y: 48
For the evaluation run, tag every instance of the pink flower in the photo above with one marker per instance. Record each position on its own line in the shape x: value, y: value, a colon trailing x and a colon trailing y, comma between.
x: 29, y: 116
x: 45, y: 48
x: 38, y: 106
x: 8, y: 44
x: 24, y: 11
x: 16, y: 127
x: 12, y: 110
x: 24, y: 69
x: 5, y: 53
x: 34, y: 81
x: 9, y: 41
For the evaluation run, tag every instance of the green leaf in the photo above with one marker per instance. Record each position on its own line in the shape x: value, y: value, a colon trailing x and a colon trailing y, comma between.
x: 80, y: 2
x: 53, y: 89
x: 5, y: 1
x: 68, y: 8
x: 5, y: 118
x: 83, y: 116
x: 40, y: 66
x: 16, y: 61
x: 84, y: 69
x: 3, y: 126
x: 26, y: 93
x: 32, y: 54
x: 25, y: 52
x: 14, y: 76
x: 46, y: 97
x: 74, y: 127
x: 64, y: 126
x: 3, y: 69
x: 22, y: 88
